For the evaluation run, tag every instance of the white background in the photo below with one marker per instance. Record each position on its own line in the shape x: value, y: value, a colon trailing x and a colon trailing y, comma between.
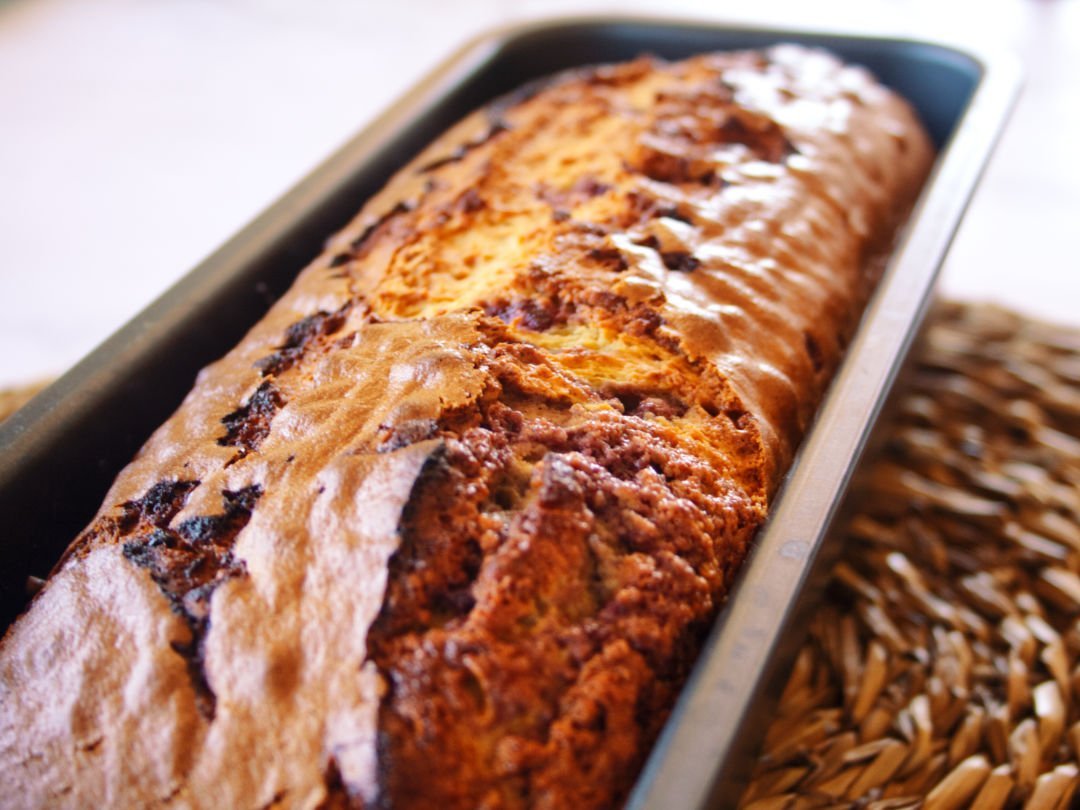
x: 137, y: 135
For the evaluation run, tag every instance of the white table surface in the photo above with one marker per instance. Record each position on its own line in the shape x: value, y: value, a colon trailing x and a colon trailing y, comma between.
x: 137, y: 135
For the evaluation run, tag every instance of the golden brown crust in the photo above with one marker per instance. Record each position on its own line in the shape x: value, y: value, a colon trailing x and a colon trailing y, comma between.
x: 446, y: 528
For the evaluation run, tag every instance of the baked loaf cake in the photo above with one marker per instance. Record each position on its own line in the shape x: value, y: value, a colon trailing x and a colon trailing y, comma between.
x: 446, y: 528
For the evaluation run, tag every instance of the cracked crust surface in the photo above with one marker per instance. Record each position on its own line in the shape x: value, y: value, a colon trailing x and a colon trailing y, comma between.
x: 447, y: 527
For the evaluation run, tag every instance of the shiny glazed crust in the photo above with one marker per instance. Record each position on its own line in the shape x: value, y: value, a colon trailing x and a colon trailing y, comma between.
x: 446, y: 528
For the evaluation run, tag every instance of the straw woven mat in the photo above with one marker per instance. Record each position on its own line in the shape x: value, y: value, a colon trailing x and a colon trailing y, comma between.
x: 943, y: 668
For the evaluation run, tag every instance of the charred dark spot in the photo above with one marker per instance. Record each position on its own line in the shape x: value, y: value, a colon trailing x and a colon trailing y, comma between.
x: 192, y: 653
x: 456, y: 155
x: 299, y: 336
x: 402, y: 207
x: 645, y: 321
x: 340, y: 259
x: 665, y: 167
x: 248, y: 425
x: 761, y: 135
x: 591, y: 228
x: 590, y: 186
x: 536, y: 314
x: 459, y: 152
x: 212, y: 528
x: 674, y: 159
x: 154, y: 509
x: 188, y: 564
x: 680, y: 261
x: 158, y: 506
x: 196, y: 529
x: 92, y: 745
x: 160, y: 537
x: 813, y: 350
x: 581, y: 190
x: 275, y: 800
x: 337, y: 794
x: 470, y: 202
x: 537, y: 317
x: 610, y: 257
x: 673, y: 212
x: 141, y: 553
x: 438, y: 558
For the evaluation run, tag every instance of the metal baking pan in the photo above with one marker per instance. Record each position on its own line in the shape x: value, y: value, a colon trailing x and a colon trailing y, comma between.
x: 59, y: 455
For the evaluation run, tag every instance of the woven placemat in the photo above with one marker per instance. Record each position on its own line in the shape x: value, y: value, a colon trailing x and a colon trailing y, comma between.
x: 943, y: 669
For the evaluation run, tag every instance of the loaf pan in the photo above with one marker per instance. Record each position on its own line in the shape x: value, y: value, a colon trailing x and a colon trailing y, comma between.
x: 59, y: 455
